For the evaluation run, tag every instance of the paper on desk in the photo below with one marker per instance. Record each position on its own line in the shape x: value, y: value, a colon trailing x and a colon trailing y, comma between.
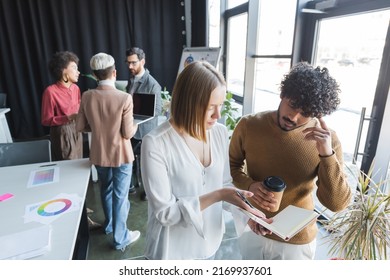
x: 25, y: 244
x: 43, y: 176
x: 48, y: 211
x: 6, y: 196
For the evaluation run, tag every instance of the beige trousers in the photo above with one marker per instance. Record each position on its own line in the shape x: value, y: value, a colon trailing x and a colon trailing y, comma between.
x: 258, y: 247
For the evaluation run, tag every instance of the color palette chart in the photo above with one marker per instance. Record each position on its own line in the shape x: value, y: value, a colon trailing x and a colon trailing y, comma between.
x: 54, y: 207
x: 43, y: 176
x: 50, y: 210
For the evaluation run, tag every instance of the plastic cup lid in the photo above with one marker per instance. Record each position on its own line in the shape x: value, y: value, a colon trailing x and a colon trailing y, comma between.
x: 275, y: 183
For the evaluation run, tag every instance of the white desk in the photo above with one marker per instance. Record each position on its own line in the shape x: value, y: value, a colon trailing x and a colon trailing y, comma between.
x: 73, y: 179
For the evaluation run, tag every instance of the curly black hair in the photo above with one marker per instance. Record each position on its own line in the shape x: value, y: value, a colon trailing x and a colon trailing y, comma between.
x: 311, y: 90
x: 60, y: 61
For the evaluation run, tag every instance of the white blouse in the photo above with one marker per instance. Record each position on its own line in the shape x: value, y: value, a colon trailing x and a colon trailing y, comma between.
x: 174, y: 179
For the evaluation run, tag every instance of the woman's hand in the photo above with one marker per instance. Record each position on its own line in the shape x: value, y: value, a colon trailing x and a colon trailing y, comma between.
x: 72, y: 117
x: 230, y: 195
x: 237, y: 200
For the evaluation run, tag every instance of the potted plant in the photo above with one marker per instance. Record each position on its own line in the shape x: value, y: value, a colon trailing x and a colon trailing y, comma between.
x: 362, y: 230
x: 229, y: 112
x: 166, y: 102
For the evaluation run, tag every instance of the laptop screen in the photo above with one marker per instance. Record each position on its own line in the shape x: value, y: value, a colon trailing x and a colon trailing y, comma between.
x: 144, y: 104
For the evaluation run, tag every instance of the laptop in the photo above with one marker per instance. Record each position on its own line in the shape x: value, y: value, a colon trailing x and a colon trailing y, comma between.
x: 144, y: 106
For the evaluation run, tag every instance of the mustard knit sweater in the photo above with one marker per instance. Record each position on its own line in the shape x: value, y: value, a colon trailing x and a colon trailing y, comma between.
x: 268, y: 150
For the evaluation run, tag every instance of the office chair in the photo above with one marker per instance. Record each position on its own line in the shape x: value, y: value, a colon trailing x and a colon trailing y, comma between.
x: 25, y: 152
x: 3, y: 100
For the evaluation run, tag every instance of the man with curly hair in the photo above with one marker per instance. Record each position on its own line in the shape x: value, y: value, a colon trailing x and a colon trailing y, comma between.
x: 295, y: 144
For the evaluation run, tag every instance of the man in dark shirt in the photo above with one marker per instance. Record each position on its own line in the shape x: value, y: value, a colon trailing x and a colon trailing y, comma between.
x: 141, y: 81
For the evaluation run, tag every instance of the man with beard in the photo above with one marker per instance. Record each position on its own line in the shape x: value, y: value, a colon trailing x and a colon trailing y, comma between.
x: 141, y: 81
x: 295, y: 144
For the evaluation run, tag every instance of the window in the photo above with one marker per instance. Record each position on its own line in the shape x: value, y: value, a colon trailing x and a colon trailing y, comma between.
x: 236, y: 53
x: 274, y: 51
x: 256, y: 70
x: 214, y: 9
x: 235, y: 3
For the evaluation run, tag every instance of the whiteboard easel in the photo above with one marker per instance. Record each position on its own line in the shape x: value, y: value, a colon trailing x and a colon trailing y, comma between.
x: 211, y: 55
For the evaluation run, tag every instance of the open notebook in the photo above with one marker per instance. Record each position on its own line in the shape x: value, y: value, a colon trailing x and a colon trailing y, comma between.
x: 287, y: 222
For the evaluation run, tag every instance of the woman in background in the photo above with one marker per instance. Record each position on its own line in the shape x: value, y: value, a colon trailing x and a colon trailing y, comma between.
x: 60, y: 105
x: 185, y: 171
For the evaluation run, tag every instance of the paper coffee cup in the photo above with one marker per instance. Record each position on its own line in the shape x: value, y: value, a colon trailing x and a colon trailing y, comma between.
x: 277, y: 186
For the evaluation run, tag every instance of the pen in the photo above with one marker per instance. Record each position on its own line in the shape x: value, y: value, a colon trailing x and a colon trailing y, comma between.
x: 46, y: 165
x: 244, y: 199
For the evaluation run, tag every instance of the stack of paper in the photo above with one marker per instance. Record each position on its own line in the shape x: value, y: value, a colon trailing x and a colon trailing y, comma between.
x: 25, y: 244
